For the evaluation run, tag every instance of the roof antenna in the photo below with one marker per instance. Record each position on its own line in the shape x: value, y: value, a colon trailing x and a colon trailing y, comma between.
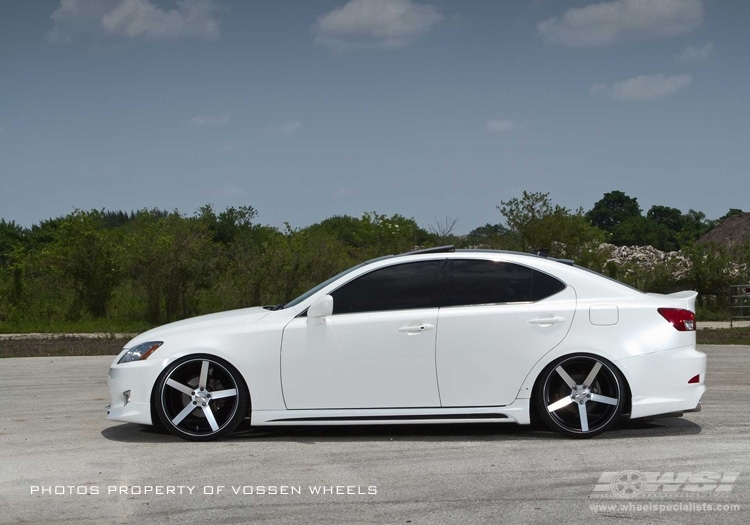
x: 542, y: 252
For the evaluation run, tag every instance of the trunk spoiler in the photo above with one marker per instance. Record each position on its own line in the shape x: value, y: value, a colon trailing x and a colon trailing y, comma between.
x: 688, y: 296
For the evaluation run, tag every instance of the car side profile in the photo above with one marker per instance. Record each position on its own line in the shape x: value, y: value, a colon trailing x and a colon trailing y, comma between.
x: 431, y: 336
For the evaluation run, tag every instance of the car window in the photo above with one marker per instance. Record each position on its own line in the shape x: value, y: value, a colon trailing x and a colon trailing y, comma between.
x: 315, y: 289
x: 398, y: 287
x: 488, y: 282
x: 544, y: 285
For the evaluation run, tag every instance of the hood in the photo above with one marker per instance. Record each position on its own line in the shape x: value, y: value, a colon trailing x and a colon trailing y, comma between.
x: 201, y: 322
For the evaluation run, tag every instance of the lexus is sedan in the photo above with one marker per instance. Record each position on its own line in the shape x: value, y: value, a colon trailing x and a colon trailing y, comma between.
x: 431, y: 336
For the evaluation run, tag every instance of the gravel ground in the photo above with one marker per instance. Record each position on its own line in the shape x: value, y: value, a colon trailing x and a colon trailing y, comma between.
x: 40, y: 345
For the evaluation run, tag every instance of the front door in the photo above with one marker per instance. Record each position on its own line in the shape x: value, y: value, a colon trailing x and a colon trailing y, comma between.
x: 377, y: 350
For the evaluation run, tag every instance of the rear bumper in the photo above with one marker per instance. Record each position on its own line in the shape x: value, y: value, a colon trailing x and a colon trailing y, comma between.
x: 659, y: 381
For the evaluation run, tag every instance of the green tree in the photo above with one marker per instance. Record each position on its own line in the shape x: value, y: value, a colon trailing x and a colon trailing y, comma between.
x: 302, y: 259
x: 228, y: 224
x: 11, y: 234
x: 89, y: 256
x: 248, y: 274
x: 741, y: 254
x: 694, y: 226
x: 641, y: 231
x: 612, y: 209
x: 44, y: 233
x: 374, y: 234
x: 731, y: 213
x: 534, y: 224
x: 489, y: 235
x: 670, y: 218
x: 170, y: 258
x: 670, y: 222
x: 708, y: 271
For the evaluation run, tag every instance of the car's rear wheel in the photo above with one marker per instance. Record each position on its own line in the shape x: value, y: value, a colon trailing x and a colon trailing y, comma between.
x: 580, y: 395
x: 201, y: 398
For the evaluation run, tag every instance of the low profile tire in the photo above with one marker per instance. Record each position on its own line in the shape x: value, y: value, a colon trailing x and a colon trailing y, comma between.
x: 201, y: 398
x: 580, y: 396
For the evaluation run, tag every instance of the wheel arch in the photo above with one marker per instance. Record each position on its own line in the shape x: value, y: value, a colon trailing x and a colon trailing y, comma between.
x: 540, y: 370
x: 197, y: 354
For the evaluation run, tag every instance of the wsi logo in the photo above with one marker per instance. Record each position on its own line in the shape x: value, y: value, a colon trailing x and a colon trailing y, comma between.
x: 631, y: 483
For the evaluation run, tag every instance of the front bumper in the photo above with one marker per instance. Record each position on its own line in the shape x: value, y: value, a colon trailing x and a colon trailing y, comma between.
x: 130, y: 387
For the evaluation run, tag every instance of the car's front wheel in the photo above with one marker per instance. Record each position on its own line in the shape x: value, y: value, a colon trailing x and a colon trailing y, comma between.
x: 581, y: 395
x: 201, y: 398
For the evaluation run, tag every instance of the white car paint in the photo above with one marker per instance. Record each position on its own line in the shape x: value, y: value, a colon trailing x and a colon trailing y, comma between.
x: 361, y: 361
x: 480, y: 349
x: 462, y: 363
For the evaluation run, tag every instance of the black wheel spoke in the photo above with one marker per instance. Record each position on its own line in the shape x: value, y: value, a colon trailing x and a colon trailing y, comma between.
x: 201, y: 398
x: 580, y: 396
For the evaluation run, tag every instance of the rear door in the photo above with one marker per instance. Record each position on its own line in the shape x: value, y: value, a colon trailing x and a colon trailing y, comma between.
x: 497, y: 320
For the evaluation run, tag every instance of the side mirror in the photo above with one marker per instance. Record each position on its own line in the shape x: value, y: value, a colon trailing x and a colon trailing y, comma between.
x: 322, y: 307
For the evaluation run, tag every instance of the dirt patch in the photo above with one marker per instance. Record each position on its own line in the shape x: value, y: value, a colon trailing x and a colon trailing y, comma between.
x: 733, y: 231
x: 60, y: 346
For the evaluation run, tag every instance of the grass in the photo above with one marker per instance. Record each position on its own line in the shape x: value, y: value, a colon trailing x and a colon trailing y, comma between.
x: 83, y: 326
x: 724, y: 336
x: 707, y: 314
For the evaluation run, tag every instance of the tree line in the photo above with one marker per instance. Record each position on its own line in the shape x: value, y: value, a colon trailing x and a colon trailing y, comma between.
x: 115, y: 270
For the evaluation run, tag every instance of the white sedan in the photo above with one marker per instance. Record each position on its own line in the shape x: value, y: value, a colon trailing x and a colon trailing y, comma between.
x: 434, y: 336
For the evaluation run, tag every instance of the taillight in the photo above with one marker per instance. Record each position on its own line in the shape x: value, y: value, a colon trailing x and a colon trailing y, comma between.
x: 682, y: 320
x: 695, y: 379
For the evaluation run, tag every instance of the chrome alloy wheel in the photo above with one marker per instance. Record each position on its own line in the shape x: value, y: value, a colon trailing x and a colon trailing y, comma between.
x: 201, y: 398
x: 581, y: 396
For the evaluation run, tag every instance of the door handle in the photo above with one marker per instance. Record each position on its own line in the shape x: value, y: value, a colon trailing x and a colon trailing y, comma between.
x: 416, y: 329
x: 547, y: 321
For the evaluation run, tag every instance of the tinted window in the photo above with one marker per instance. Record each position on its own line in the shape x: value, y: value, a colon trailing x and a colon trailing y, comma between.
x: 311, y: 291
x: 399, y: 287
x: 544, y: 285
x: 488, y: 282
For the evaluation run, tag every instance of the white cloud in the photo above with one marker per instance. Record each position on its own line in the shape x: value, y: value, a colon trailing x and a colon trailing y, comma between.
x: 606, y: 23
x: 696, y: 54
x: 500, y: 126
x: 209, y: 121
x: 117, y: 22
x: 646, y: 87
x: 284, y: 129
x: 375, y: 24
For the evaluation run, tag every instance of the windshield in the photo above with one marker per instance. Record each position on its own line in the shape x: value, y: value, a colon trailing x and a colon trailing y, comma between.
x: 316, y: 289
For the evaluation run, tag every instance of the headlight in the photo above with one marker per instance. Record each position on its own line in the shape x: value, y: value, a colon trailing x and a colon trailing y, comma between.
x: 140, y: 352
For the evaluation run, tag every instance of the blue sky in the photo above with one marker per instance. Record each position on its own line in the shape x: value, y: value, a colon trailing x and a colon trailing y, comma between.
x: 306, y: 109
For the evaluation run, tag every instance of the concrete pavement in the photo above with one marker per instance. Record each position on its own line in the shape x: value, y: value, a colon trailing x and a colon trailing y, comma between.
x: 55, y: 438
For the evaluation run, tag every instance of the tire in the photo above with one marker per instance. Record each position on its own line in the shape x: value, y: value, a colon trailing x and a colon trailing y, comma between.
x: 201, y: 398
x: 580, y: 396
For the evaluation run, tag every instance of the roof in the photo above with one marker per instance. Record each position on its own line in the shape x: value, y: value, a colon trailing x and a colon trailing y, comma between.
x: 451, y: 249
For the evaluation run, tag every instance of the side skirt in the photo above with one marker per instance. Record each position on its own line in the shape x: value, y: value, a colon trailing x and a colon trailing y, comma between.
x: 517, y: 412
